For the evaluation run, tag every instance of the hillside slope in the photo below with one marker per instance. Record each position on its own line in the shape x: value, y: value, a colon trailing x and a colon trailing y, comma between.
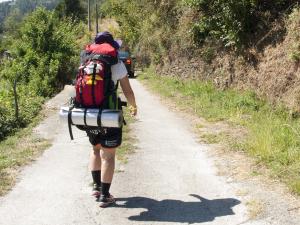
x: 271, y: 68
x: 246, y: 44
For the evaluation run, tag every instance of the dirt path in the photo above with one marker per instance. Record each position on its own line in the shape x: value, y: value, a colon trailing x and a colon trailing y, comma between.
x: 169, y: 180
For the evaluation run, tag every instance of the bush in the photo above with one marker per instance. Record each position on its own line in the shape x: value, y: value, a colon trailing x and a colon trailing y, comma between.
x: 158, y: 30
x: 45, y: 55
x: 7, y: 120
x: 146, y: 27
x: 234, y: 23
x: 293, y: 22
x: 127, y: 14
x: 227, y: 21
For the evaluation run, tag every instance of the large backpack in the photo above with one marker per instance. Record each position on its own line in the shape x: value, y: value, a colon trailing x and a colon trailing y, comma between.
x: 94, y: 86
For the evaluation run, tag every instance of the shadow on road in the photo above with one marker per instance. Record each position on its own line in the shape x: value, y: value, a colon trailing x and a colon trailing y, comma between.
x: 179, y: 211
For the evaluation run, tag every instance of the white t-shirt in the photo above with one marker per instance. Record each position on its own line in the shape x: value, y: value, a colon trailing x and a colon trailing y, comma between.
x: 118, y: 71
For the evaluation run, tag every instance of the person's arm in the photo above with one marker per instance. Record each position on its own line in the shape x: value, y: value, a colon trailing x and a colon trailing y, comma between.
x: 128, y: 92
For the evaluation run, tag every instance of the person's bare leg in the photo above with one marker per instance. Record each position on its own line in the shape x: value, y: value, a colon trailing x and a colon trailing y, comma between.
x: 108, y: 164
x: 95, y: 159
x: 95, y: 167
x: 107, y: 173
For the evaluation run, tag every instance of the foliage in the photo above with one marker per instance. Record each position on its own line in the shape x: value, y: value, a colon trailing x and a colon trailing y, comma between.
x: 147, y: 27
x: 47, y: 48
x: 44, y: 56
x: 4, y: 11
x: 23, y: 7
x: 234, y: 23
x: 158, y: 30
x: 13, y: 22
x: 16, y: 151
x: 72, y: 9
x: 26, y: 6
x: 293, y: 22
x: 274, y: 135
x: 121, y: 11
x: 227, y: 21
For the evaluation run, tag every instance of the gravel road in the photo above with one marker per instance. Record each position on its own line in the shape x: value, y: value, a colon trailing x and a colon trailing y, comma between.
x: 168, y: 180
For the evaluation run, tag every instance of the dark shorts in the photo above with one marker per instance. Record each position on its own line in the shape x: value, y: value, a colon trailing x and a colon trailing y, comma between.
x: 107, y: 137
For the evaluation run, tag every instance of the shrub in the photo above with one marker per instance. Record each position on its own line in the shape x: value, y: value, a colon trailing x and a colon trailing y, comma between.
x: 146, y: 27
x: 227, y: 21
x: 45, y: 54
x: 231, y: 22
x: 154, y: 28
x: 293, y: 23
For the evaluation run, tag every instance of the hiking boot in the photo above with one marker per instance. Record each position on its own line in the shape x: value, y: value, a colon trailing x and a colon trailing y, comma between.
x: 106, y: 201
x: 96, y: 191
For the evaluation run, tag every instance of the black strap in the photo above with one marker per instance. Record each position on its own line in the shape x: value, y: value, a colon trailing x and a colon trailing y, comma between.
x: 93, y: 82
x: 117, y: 85
x: 81, y: 94
x: 99, y: 118
x: 124, y: 121
x: 84, y: 116
x: 107, y: 84
x: 108, y: 59
x: 107, y: 81
x: 70, y: 123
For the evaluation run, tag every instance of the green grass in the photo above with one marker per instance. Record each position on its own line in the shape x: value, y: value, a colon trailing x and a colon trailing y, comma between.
x: 24, y: 146
x: 16, y: 151
x: 212, y: 138
x: 273, y: 135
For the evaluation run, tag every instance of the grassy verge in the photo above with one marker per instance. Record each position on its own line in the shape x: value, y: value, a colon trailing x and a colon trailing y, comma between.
x: 24, y: 146
x: 16, y: 151
x: 273, y: 134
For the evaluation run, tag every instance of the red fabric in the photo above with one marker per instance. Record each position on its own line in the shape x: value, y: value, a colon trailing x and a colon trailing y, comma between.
x: 103, y: 49
x: 83, y: 81
x: 83, y: 87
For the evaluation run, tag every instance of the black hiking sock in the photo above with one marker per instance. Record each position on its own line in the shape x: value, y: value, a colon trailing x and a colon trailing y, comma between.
x: 105, y: 189
x: 96, y: 177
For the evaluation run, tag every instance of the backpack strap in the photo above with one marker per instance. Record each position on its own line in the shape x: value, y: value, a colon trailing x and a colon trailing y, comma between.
x: 99, y: 118
x: 84, y: 117
x: 117, y: 85
x: 80, y: 93
x: 70, y: 123
x: 108, y: 59
x: 93, y: 82
x: 107, y: 85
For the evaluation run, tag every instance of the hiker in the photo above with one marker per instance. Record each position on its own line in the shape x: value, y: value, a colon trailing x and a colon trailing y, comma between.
x: 102, y: 159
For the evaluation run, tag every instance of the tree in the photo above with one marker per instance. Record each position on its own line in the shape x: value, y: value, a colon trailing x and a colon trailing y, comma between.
x: 71, y: 9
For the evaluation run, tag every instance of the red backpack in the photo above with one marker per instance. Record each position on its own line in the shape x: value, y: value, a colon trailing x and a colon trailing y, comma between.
x: 93, y: 82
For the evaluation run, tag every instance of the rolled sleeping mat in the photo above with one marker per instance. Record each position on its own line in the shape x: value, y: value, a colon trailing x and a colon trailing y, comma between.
x: 90, y: 117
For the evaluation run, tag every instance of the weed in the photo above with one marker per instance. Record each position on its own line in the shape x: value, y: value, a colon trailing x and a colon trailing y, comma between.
x: 273, y: 136
x: 292, y: 24
x: 296, y: 186
x: 17, y: 151
x: 255, y: 208
x: 208, y: 54
x: 212, y: 138
x: 255, y: 173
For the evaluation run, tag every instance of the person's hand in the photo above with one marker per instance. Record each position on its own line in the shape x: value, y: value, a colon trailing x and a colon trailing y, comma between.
x: 133, y: 110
